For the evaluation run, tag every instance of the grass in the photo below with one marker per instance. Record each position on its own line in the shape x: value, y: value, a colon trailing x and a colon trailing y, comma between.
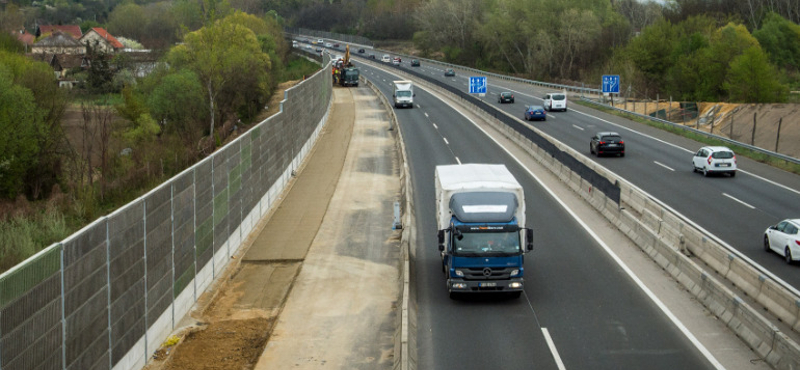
x: 22, y: 237
x: 297, y: 68
x: 739, y: 150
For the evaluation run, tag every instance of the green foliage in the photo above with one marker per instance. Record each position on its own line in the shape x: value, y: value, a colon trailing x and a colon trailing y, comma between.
x: 179, y: 100
x: 780, y: 38
x: 297, y: 68
x: 22, y: 237
x: 20, y: 127
x: 752, y: 79
x: 9, y: 42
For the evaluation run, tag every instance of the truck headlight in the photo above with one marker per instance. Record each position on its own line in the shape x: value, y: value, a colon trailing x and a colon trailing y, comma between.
x: 459, y: 273
x: 459, y: 285
x: 515, y: 285
x: 514, y: 272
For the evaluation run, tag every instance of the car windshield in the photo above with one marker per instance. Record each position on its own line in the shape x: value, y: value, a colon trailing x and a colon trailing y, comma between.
x: 487, y: 243
x: 505, y: 94
x: 613, y: 139
x: 535, y: 107
x: 559, y: 97
x: 722, y: 155
x: 404, y: 94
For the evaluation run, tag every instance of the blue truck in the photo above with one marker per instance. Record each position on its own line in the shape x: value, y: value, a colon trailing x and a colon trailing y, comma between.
x: 482, y: 235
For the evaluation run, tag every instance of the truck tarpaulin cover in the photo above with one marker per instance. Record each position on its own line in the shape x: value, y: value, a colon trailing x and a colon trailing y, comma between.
x: 484, y: 207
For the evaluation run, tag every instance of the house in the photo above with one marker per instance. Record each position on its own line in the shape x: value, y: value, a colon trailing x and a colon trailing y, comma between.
x: 101, y: 40
x: 58, y: 43
x: 62, y: 64
x: 72, y: 30
x: 25, y: 38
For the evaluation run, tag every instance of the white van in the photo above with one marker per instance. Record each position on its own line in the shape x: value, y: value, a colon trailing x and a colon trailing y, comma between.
x: 555, y: 101
x: 386, y: 58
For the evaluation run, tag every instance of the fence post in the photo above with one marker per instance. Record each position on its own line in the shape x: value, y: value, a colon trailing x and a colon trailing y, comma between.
x: 778, y: 136
x: 669, y: 112
x: 753, y: 135
x: 731, y: 134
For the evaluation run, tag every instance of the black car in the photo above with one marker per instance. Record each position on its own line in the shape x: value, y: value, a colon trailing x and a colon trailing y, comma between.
x: 361, y: 51
x: 372, y: 56
x: 607, y: 143
x: 449, y: 72
x: 415, y: 62
x: 505, y: 97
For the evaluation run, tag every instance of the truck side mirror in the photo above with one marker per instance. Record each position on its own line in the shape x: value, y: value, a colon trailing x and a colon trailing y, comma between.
x: 414, y: 94
x: 440, y: 235
x: 529, y: 239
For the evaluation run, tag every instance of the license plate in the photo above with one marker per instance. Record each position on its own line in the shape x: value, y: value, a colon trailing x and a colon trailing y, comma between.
x: 485, y: 285
x: 724, y: 165
x: 538, y: 113
x: 610, y: 145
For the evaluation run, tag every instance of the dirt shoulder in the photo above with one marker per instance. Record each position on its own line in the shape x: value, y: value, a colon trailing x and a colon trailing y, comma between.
x: 279, y: 296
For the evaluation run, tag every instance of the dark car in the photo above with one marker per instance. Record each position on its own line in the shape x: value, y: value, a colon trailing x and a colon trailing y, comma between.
x: 336, y: 45
x: 449, y: 72
x: 372, y: 56
x: 607, y: 143
x: 361, y: 51
x: 318, y: 50
x: 505, y: 97
x: 415, y: 62
x: 535, y: 112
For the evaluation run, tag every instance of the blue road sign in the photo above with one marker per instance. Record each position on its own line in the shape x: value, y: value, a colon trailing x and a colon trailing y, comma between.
x: 611, y: 84
x: 477, y: 85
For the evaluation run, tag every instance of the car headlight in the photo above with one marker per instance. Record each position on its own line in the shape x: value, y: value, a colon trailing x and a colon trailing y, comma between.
x: 514, y: 272
x: 459, y: 273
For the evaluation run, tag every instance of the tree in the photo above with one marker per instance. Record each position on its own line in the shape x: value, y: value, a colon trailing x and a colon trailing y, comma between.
x: 780, y: 38
x: 20, y: 127
x: 752, y: 79
x: 219, y: 54
x: 179, y: 102
x: 128, y: 20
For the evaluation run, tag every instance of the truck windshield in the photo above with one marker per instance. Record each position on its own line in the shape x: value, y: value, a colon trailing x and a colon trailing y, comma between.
x: 404, y: 94
x: 487, y: 243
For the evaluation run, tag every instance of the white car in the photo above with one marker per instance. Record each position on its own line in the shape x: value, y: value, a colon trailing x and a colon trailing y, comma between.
x: 320, y: 41
x: 714, y: 159
x: 386, y: 58
x: 328, y: 45
x: 555, y: 101
x: 784, y: 239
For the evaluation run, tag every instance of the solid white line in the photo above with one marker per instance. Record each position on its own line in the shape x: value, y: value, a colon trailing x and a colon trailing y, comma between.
x: 578, y: 127
x: 663, y: 165
x: 700, y: 347
x: 445, y: 140
x: 745, y: 204
x: 553, y: 349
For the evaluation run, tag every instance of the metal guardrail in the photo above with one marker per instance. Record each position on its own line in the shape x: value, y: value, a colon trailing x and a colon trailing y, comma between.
x: 701, y: 132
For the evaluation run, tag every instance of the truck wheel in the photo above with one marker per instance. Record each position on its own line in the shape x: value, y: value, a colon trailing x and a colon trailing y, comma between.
x: 453, y: 295
x: 515, y: 295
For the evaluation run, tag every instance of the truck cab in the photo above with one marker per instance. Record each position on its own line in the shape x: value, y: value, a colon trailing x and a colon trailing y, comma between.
x: 482, y: 238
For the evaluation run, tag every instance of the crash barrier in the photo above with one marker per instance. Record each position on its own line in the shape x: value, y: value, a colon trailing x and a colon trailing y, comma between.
x: 405, y: 345
x: 107, y: 296
x: 770, y: 153
x: 671, y: 241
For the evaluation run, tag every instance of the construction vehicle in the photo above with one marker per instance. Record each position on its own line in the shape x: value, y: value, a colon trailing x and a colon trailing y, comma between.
x: 344, y: 72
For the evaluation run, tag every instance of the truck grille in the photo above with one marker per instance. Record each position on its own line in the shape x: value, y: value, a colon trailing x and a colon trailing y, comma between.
x: 486, y: 273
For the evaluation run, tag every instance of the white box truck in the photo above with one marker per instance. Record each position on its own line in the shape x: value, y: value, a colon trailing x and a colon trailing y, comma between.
x: 403, y: 94
x: 481, y: 221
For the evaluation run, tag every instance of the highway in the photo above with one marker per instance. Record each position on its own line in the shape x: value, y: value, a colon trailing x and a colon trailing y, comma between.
x: 580, y: 310
x: 736, y: 210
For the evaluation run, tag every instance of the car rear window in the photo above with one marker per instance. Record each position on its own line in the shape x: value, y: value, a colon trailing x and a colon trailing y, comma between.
x: 613, y: 139
x: 722, y: 155
x: 559, y: 97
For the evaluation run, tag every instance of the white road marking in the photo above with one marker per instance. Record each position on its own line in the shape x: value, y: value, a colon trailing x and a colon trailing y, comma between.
x: 426, y: 115
x: 578, y: 127
x: 700, y: 347
x: 436, y: 127
x: 663, y: 165
x: 553, y: 349
x: 458, y: 160
x: 445, y: 140
x: 745, y: 204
